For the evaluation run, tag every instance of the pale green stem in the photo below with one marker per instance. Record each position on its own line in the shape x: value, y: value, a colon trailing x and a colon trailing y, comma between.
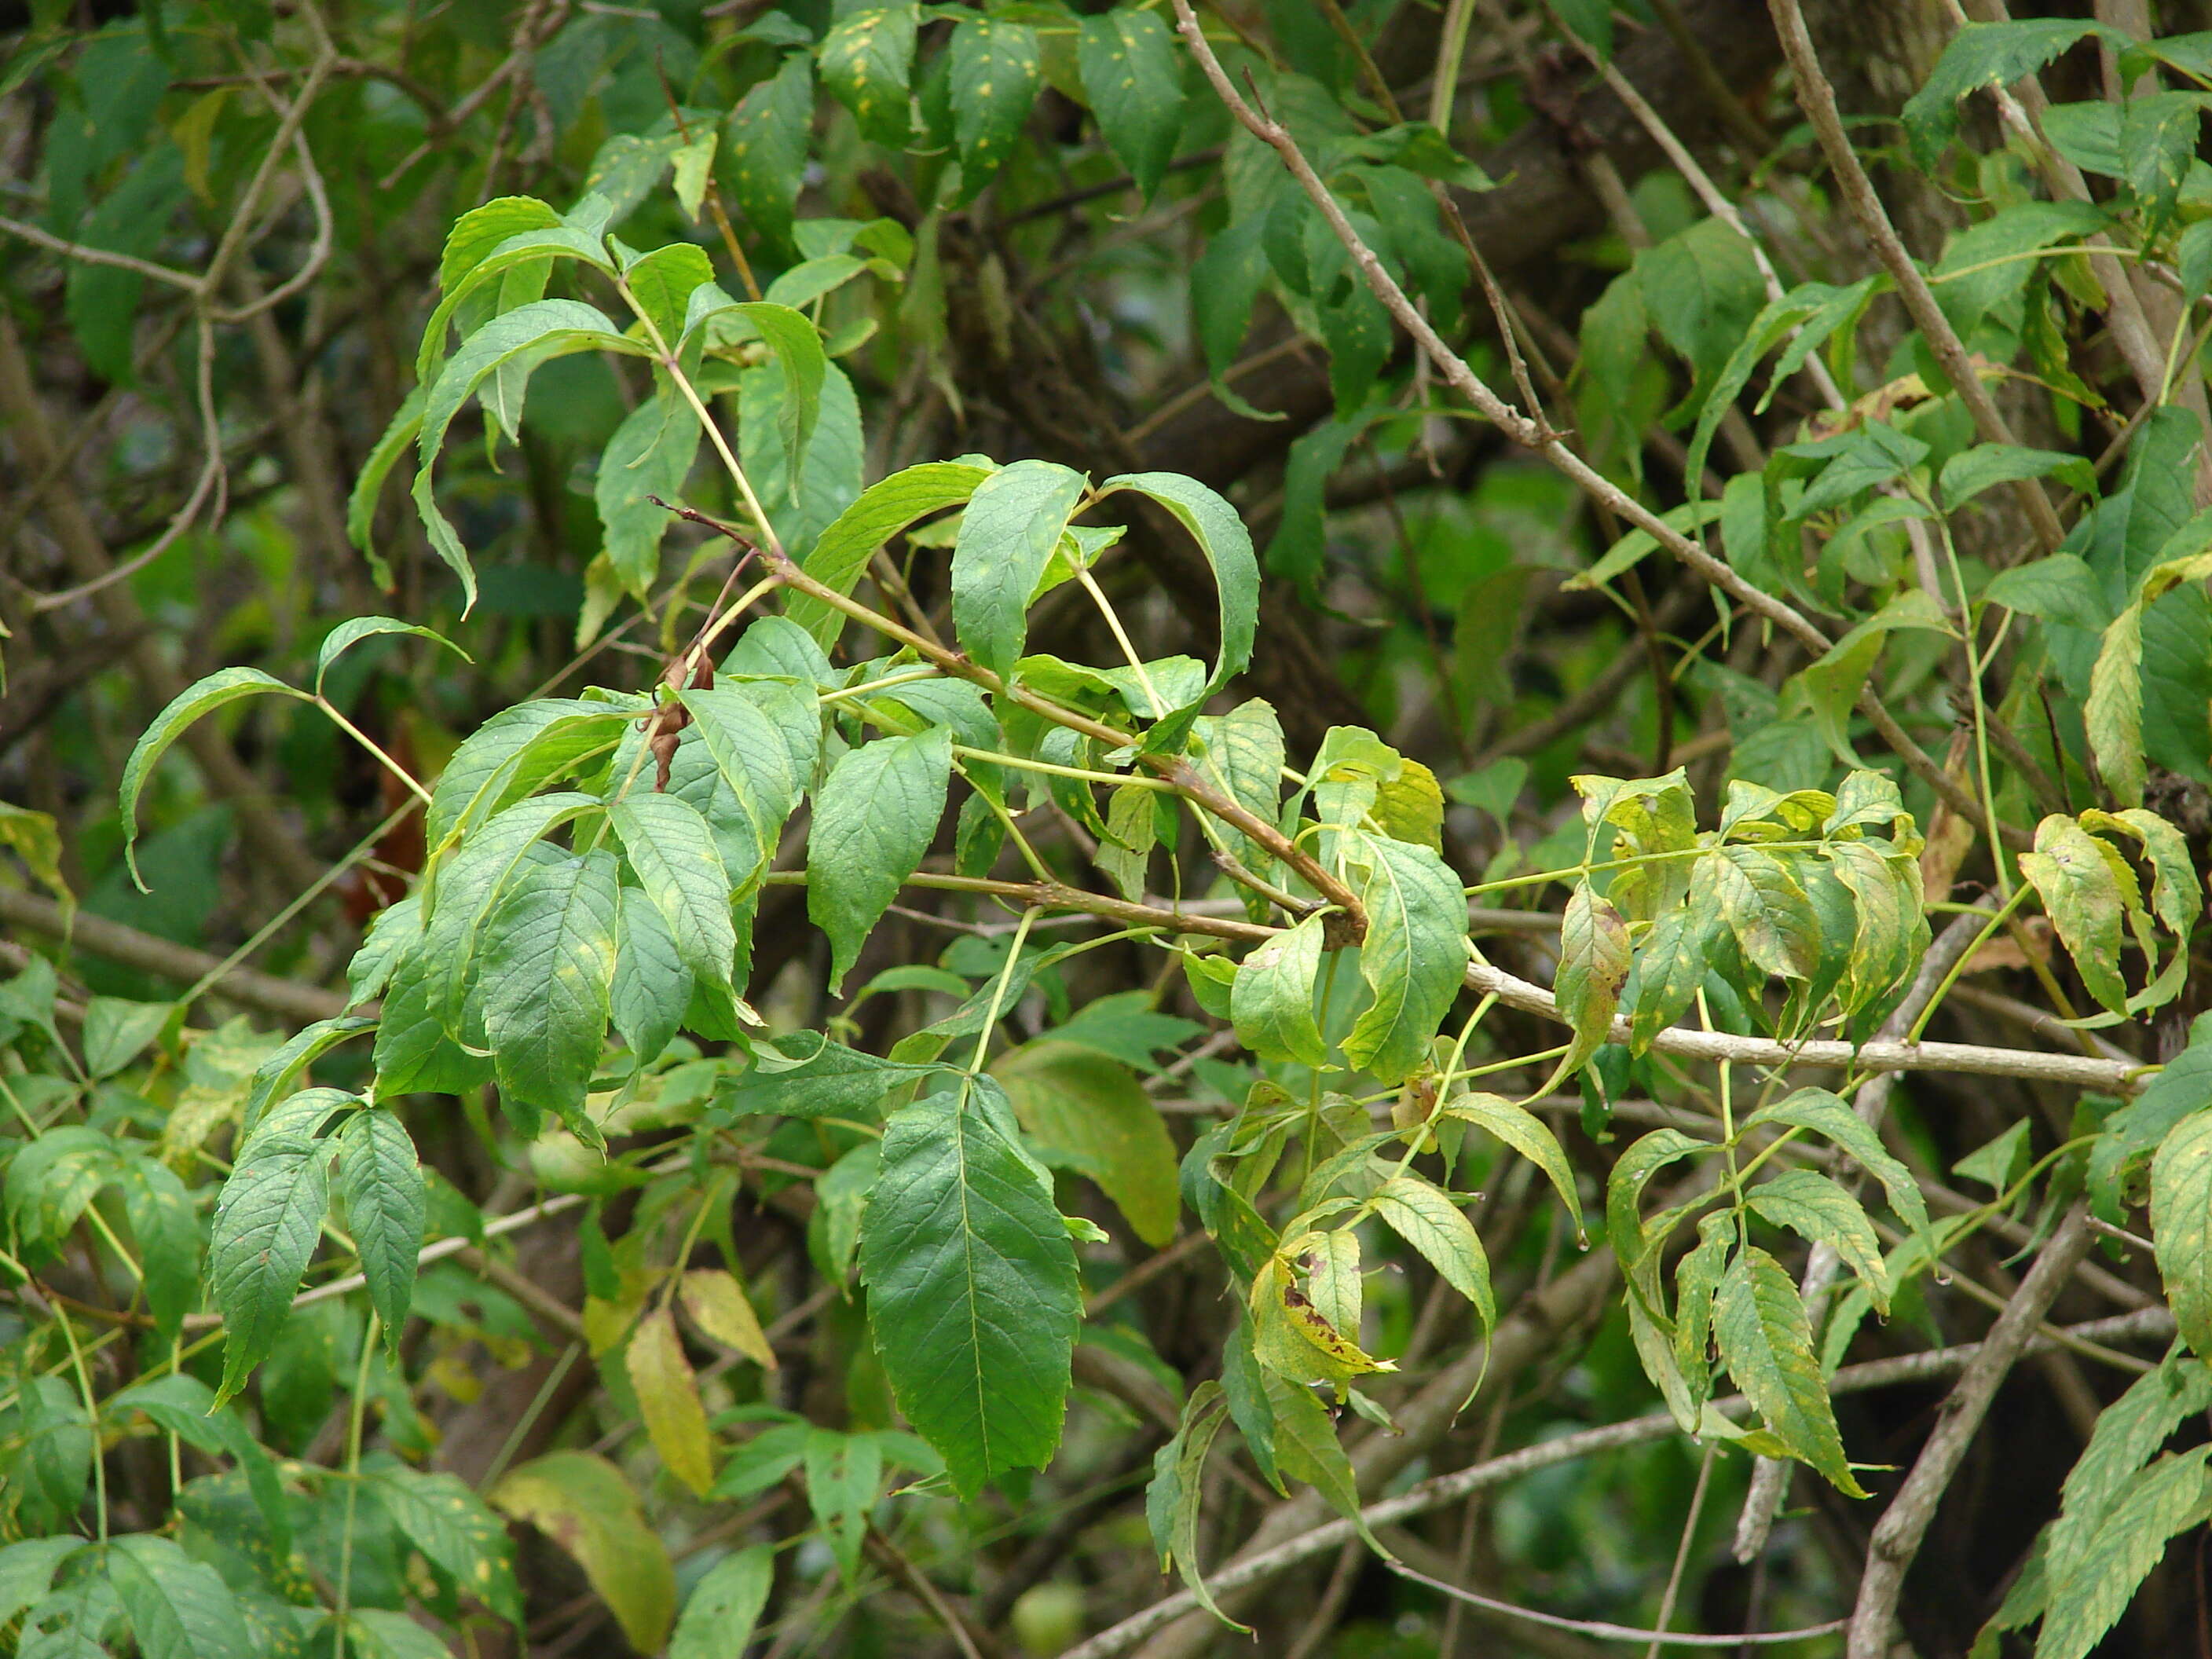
x: 355, y: 1417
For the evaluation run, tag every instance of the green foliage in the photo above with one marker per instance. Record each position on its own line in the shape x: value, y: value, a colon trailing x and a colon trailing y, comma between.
x: 1210, y: 1102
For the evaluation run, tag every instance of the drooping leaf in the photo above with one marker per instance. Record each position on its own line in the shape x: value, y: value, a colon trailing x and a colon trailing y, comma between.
x: 1426, y: 1218
x: 884, y: 510
x: 2181, y: 1223
x: 1818, y: 1210
x: 584, y: 1505
x: 1172, y: 1501
x: 650, y: 454
x: 873, y: 819
x: 1830, y: 1115
x: 972, y: 1291
x: 1214, y: 523
x: 1527, y: 1134
x: 1133, y: 77
x: 724, y: 1606
x: 549, y: 964
x: 2072, y: 875
x: 266, y: 1222
x: 1271, y: 1000
x: 718, y: 1306
x: 380, y: 1184
x: 1413, y: 957
x: 668, y: 1399
x: 202, y: 697
x: 1008, y: 535
x: 1593, y: 968
x: 1767, y: 1344
x: 353, y: 631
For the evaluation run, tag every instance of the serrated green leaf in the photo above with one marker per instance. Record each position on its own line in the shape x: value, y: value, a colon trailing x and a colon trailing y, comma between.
x: 1765, y: 908
x: 724, y: 1606
x: 1307, y: 1449
x: 455, y: 1531
x: 1767, y: 1346
x: 28, y: 1569
x: 1818, y: 1210
x: 843, y: 1474
x: 549, y: 964
x: 2060, y: 588
x: 1413, y: 957
x: 167, y: 1231
x: 2129, y: 1433
x: 266, y: 1222
x: 1426, y: 1218
x: 973, y: 1294
x: 1984, y: 466
x: 2165, y: 1499
x: 178, y: 1607
x: 2071, y: 875
x: 515, y: 753
x: 996, y: 68
x: 1214, y: 523
x: 381, y: 1184
x: 763, y: 152
x: 652, y: 986
x: 671, y: 849
x: 202, y: 697
x: 649, y: 454
x: 764, y: 739
x: 882, y: 510
x: 1172, y: 1501
x: 1527, y: 1134
x: 2181, y: 1222
x: 874, y: 818
x: 1007, y: 537
x: 1987, y: 55
x: 397, y: 439
x: 1831, y: 1116
x: 510, y: 346
x: 867, y: 61
x: 1271, y: 1001
x: 1670, y: 971
x: 1133, y: 77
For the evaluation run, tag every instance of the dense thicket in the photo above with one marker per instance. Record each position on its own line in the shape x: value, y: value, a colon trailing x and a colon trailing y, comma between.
x: 824, y: 824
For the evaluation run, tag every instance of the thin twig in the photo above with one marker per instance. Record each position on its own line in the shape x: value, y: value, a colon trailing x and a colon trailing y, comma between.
x: 1445, y: 1489
x: 1531, y: 433
x: 1817, y: 98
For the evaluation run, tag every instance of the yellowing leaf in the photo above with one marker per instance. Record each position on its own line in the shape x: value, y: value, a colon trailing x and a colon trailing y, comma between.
x: 1294, y: 1340
x: 2181, y: 1221
x: 718, y: 1306
x: 583, y: 1504
x: 1088, y: 1114
x: 668, y: 1398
